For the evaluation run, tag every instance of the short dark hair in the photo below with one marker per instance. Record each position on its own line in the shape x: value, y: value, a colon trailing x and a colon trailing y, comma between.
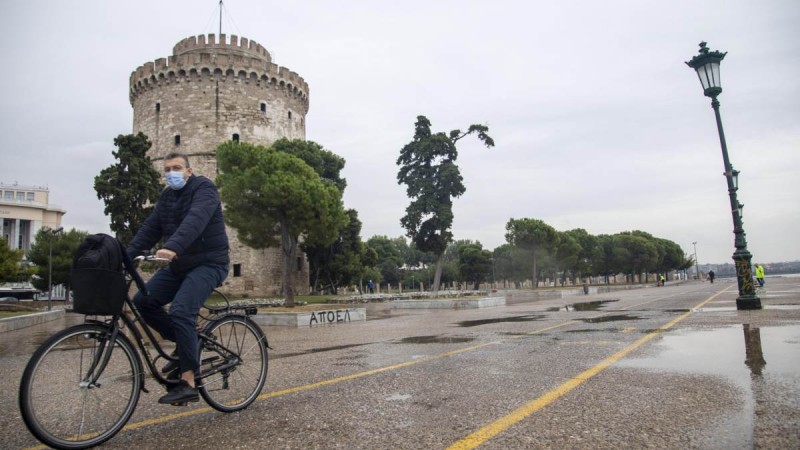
x: 173, y: 155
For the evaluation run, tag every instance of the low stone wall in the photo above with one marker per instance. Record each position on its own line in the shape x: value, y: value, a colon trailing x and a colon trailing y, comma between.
x: 366, y: 298
x: 310, y: 318
x: 18, y: 322
x: 485, y: 302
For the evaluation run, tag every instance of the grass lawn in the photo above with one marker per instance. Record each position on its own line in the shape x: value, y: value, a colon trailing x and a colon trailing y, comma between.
x: 4, y: 314
x: 301, y: 308
x: 310, y: 299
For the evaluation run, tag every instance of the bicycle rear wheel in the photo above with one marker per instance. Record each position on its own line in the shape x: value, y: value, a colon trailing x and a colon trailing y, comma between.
x: 233, y: 378
x: 60, y: 404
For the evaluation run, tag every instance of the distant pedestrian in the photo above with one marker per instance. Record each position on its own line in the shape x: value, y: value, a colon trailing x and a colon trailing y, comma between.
x: 760, y: 274
x: 371, y: 287
x: 711, y: 276
x: 661, y: 279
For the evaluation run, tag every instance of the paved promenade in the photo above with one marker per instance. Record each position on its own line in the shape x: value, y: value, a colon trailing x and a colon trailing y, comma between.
x: 672, y: 367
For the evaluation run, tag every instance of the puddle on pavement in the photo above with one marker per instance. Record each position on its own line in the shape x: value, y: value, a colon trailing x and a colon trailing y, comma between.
x: 275, y: 355
x: 585, y: 306
x: 726, y: 351
x: 434, y: 340
x: 610, y: 318
x: 743, y: 354
x: 475, y: 323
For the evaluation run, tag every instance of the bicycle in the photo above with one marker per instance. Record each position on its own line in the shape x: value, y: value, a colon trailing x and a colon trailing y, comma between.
x: 82, y: 385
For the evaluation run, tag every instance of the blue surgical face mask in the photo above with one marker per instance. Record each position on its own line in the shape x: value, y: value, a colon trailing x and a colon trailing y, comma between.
x: 175, y: 179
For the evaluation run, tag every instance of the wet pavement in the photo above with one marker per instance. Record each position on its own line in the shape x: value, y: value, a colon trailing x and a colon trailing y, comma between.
x: 670, y: 367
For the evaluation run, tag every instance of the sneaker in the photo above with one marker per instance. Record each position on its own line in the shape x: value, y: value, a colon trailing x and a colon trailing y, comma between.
x: 181, y: 393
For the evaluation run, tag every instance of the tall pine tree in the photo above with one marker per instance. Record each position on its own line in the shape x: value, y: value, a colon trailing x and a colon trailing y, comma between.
x: 130, y: 187
x: 432, y: 178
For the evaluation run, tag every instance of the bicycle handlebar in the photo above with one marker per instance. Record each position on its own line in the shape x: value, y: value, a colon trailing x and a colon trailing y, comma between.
x: 150, y: 258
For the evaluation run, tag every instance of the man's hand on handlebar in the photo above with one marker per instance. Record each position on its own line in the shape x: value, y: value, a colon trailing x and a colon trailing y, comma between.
x: 165, y: 253
x: 150, y: 258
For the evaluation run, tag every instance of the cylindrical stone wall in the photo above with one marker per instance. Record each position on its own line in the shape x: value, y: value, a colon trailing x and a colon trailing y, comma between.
x: 210, y: 92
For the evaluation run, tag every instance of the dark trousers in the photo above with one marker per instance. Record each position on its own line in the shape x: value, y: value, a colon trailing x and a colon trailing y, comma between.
x: 187, y: 292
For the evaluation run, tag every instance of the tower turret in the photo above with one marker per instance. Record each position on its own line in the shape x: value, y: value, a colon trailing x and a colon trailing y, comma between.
x: 210, y: 91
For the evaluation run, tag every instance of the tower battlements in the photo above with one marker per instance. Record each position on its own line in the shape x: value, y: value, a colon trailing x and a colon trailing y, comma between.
x: 198, y: 59
x: 202, y: 44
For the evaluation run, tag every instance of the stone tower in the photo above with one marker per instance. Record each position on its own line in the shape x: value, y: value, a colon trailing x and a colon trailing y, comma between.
x: 209, y: 92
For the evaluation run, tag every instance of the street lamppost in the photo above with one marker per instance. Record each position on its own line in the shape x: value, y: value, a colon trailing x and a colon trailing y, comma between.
x: 706, y: 63
x: 696, y: 263
x: 50, y: 233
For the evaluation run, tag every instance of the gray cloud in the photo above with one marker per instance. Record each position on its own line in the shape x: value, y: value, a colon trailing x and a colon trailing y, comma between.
x: 598, y: 122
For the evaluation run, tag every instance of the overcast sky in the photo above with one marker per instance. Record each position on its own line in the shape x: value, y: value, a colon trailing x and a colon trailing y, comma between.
x: 598, y: 123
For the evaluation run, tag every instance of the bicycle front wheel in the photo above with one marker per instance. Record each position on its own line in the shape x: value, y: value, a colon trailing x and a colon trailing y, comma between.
x: 70, y: 398
x: 233, y: 363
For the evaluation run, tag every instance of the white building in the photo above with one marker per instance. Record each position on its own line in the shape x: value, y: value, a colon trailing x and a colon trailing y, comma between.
x: 24, y: 210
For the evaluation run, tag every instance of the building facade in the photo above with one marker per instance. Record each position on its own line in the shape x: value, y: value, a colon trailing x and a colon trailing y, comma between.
x: 211, y: 91
x: 24, y: 210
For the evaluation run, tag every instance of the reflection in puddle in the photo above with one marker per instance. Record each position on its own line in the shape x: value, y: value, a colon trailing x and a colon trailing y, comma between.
x: 743, y: 354
x: 722, y: 351
x: 585, y: 306
x: 475, y: 323
x: 435, y: 340
x: 610, y: 318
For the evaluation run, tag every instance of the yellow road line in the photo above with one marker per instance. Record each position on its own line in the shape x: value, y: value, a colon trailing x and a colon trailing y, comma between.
x: 170, y: 417
x: 487, y: 432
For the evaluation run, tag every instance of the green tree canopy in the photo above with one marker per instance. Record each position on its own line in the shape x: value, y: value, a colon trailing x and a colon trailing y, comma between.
x: 389, y: 259
x: 588, y: 244
x: 327, y: 164
x: 475, y: 264
x: 432, y: 178
x: 636, y: 253
x: 65, y: 244
x: 535, y: 236
x: 510, y: 263
x: 11, y: 268
x: 340, y: 263
x: 567, y: 252
x: 272, y: 198
x: 128, y: 186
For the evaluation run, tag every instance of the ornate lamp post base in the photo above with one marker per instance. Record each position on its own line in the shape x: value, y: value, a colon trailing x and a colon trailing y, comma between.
x: 744, y: 277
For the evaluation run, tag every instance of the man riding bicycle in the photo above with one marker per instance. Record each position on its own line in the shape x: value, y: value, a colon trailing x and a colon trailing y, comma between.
x: 188, y: 219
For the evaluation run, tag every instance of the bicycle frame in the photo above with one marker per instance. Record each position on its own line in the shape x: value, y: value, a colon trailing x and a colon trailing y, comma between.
x: 99, y: 362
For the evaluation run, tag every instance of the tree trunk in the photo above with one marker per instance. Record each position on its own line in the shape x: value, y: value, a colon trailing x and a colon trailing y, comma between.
x: 438, y: 276
x: 289, y: 250
x: 535, y: 274
x: 334, y: 286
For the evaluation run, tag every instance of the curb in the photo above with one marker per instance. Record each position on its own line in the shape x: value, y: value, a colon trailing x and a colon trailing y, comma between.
x: 310, y: 318
x: 16, y: 323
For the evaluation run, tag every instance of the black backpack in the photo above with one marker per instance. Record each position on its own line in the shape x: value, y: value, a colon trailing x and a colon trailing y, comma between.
x: 98, y: 276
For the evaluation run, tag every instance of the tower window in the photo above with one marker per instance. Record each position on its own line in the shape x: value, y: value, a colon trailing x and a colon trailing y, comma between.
x: 177, y: 139
x: 158, y: 107
x: 290, y: 114
x: 299, y: 263
x: 235, y: 137
x: 263, y: 107
x: 237, y: 270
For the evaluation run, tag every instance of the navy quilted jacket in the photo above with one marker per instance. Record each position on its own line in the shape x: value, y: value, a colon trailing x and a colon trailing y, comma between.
x: 189, y: 221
